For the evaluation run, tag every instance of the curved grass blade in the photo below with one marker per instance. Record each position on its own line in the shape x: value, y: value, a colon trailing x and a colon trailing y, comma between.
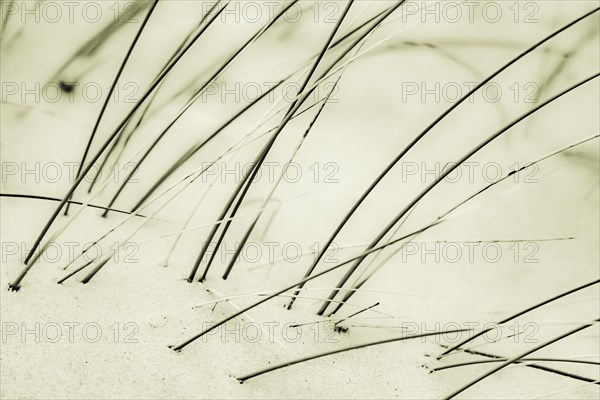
x: 478, y: 362
x: 460, y: 204
x: 331, y: 352
x: 189, y: 175
x: 533, y: 366
x: 16, y: 284
x: 277, y: 293
x: 246, y: 181
x: 152, y: 98
x: 197, y: 95
x: 79, y: 203
x: 520, y: 313
x: 423, y: 193
x: 276, y: 185
x: 110, y: 92
x: 187, y: 155
x: 520, y: 356
x: 295, y: 106
x: 395, y: 161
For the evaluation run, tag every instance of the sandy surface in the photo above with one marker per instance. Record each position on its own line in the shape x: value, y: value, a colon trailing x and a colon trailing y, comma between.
x: 110, y: 338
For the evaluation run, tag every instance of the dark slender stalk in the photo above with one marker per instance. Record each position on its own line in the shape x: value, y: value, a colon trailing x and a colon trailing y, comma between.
x: 533, y: 366
x: 356, y: 313
x: 216, y: 226
x: 192, y: 176
x: 152, y: 98
x: 70, y: 274
x: 196, y: 96
x: 393, y: 163
x: 191, y: 152
x: 520, y: 313
x: 220, y: 219
x: 310, y: 278
x: 461, y: 203
x: 246, y: 182
x: 439, y: 179
x: 382, y: 15
x: 15, y: 286
x: 268, y: 198
x: 101, y: 265
x: 34, y: 197
x: 299, y: 101
x: 92, y: 273
x: 517, y: 171
x: 110, y: 92
x: 188, y: 154
x: 331, y: 352
x: 560, y: 360
x: 126, y: 135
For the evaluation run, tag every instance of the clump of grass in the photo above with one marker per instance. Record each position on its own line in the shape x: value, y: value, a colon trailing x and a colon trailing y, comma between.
x: 337, y: 50
x: 15, y: 285
x: 545, y: 368
x: 520, y: 313
x: 521, y: 356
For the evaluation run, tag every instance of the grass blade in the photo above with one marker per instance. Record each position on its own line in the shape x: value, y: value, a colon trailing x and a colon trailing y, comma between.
x: 520, y: 313
x: 331, y: 352
x: 393, y: 163
x: 460, y: 204
x: 446, y: 173
x: 520, y: 356
x: 277, y: 293
x: 245, y: 183
x: 16, y: 284
x: 110, y: 92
